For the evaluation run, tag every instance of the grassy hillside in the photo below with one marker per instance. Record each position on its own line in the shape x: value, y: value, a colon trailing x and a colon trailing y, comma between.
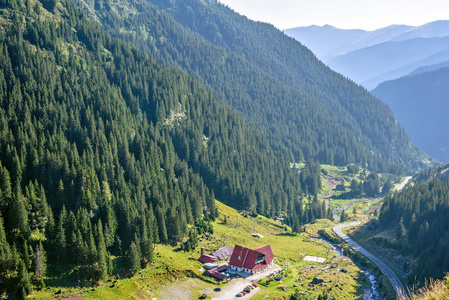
x: 175, y: 272
x: 180, y: 271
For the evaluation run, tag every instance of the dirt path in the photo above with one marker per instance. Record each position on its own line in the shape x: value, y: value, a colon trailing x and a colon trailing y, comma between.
x: 237, y: 285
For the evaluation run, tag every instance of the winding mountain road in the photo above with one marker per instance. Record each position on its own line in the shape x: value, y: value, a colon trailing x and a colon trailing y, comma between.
x: 395, y: 282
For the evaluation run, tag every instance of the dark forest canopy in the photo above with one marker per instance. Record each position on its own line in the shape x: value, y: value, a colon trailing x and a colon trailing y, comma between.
x: 303, y: 108
x: 104, y: 151
x: 420, y: 215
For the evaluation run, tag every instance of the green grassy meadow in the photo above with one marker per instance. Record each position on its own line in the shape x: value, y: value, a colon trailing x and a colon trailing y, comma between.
x: 176, y: 270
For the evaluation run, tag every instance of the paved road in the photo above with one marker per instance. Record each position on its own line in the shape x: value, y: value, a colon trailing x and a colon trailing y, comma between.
x: 397, y: 285
x: 400, y: 186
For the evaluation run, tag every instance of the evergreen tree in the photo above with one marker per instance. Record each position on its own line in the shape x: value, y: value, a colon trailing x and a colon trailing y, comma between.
x: 5, y: 249
x: 134, y: 257
x: 60, y: 241
x: 400, y: 231
x: 343, y: 217
x: 18, y: 215
x: 40, y: 262
x: 102, y: 254
x: 23, y: 278
x: 386, y: 188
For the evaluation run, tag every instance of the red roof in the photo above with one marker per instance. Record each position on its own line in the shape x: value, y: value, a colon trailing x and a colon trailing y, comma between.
x: 216, y: 274
x: 238, y: 256
x: 74, y: 298
x: 222, y: 268
x: 266, y: 250
x: 246, y: 258
x: 207, y: 259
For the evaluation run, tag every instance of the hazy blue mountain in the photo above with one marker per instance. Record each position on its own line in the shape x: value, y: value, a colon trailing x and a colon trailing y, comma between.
x: 366, y: 64
x: 428, y: 62
x: 324, y: 40
x: 371, y: 57
x: 429, y: 68
x: 420, y: 103
x: 328, y: 42
x: 433, y: 29
x: 371, y: 38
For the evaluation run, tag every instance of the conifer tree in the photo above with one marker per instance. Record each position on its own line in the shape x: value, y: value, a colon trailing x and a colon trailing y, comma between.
x: 102, y: 254
x: 18, y: 215
x: 343, y: 216
x: 24, y: 280
x: 400, y: 231
x: 61, y: 241
x: 5, y: 250
x: 146, y: 244
x: 163, y: 237
x: 40, y: 262
x: 386, y: 187
x: 134, y: 257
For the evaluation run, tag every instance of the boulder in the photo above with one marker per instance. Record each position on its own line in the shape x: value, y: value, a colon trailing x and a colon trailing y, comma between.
x: 317, y: 280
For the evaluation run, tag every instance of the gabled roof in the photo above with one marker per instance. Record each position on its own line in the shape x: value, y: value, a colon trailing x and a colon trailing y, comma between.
x: 266, y: 250
x: 222, y: 268
x: 223, y: 252
x: 206, y: 258
x: 216, y: 274
x: 246, y: 258
x: 238, y: 256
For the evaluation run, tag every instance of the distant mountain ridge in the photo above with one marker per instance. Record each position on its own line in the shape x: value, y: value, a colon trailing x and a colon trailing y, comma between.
x: 420, y: 104
x: 372, y: 65
x: 371, y: 57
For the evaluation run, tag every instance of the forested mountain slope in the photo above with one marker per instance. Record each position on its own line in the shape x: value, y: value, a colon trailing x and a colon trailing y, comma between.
x: 420, y: 104
x: 105, y: 151
x: 302, y: 107
x: 420, y: 215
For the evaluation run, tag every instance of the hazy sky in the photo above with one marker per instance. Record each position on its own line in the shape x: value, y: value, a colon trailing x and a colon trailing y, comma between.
x: 364, y: 14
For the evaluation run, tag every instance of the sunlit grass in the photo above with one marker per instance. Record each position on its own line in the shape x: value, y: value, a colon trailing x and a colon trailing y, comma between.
x: 174, y: 269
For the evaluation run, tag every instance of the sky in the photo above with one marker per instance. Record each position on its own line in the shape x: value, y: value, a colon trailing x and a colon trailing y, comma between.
x: 345, y: 14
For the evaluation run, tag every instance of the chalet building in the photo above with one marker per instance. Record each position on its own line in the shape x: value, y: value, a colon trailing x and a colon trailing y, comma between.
x: 251, y: 261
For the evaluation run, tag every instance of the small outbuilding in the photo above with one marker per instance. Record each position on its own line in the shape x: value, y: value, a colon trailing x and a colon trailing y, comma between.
x: 218, y: 272
x: 208, y: 259
x: 256, y: 235
x: 223, y: 253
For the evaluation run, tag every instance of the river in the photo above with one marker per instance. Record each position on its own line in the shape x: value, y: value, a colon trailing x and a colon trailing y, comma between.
x: 373, y: 292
